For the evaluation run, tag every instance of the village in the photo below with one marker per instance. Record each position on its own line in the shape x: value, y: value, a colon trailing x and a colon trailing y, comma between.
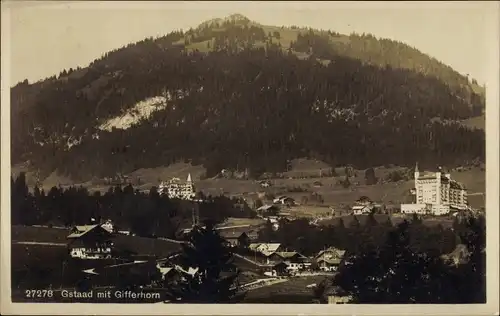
x: 92, y: 249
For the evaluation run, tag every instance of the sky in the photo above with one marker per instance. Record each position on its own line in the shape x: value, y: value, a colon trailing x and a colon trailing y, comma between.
x: 47, y: 38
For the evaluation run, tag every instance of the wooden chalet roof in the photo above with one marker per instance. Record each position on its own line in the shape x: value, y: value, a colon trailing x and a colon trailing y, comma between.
x: 338, y: 252
x: 79, y: 231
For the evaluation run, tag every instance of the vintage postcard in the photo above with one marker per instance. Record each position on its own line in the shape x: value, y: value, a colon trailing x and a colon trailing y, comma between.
x: 274, y: 158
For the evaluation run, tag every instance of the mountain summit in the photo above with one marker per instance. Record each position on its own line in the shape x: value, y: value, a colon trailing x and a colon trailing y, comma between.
x: 236, y: 94
x: 233, y: 18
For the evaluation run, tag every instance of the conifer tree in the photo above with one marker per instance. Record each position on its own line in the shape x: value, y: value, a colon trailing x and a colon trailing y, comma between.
x: 211, y: 274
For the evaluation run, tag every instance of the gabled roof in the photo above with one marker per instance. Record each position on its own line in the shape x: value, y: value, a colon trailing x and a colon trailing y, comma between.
x: 81, y: 230
x: 360, y: 207
x: 266, y: 249
x: 288, y: 254
x: 265, y: 207
x: 266, y: 253
x: 271, y: 247
x: 330, y: 261
x: 339, y: 253
x: 253, y: 246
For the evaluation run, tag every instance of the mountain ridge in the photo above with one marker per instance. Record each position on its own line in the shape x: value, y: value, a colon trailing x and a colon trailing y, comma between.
x: 209, y: 74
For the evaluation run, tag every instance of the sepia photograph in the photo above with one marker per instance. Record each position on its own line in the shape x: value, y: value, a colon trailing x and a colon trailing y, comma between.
x: 227, y: 153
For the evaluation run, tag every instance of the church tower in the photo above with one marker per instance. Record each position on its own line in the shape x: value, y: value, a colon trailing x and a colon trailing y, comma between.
x: 417, y: 172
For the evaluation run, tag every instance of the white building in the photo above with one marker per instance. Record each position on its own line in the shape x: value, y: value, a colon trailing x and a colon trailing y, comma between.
x: 436, y: 193
x: 177, y: 189
x: 361, y: 209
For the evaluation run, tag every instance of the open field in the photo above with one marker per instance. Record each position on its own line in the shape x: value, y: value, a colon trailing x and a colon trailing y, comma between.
x: 46, y: 267
x: 292, y: 291
x: 446, y: 222
x: 135, y: 244
x: 39, y: 234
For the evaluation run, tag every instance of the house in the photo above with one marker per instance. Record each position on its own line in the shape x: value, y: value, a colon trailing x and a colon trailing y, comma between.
x: 242, y: 240
x: 293, y: 260
x: 277, y: 270
x: 268, y: 210
x: 265, y: 184
x: 329, y: 259
x: 265, y: 249
x: 278, y: 199
x: 167, y: 271
x: 108, y: 225
x: 284, y: 200
x: 90, y: 242
x: 361, y: 209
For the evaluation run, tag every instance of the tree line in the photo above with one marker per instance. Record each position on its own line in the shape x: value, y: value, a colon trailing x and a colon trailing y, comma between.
x: 395, y: 273
x: 142, y: 213
x: 355, y: 237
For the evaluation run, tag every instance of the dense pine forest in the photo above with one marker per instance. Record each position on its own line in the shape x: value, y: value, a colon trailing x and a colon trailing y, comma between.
x: 242, y: 95
x: 143, y: 214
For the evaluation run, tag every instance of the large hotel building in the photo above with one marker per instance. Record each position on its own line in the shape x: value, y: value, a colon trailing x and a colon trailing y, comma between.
x: 436, y: 193
x: 177, y: 189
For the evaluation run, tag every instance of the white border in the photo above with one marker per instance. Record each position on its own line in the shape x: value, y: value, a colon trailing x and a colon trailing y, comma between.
x: 492, y: 199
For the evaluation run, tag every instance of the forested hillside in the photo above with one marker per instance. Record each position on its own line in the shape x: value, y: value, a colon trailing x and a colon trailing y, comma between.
x: 237, y: 94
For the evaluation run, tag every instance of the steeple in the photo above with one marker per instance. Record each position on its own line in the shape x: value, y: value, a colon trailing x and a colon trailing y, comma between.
x: 189, y: 178
x: 417, y: 172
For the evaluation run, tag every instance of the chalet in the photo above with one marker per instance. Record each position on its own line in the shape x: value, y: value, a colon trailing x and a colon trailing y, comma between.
x: 361, y: 209
x: 329, y: 259
x: 278, y: 269
x: 167, y: 272
x: 265, y: 184
x: 278, y: 199
x: 174, y: 272
x: 284, y: 200
x: 108, y: 225
x: 242, y: 240
x: 268, y: 210
x: 90, y: 242
x: 293, y: 260
x: 265, y: 249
